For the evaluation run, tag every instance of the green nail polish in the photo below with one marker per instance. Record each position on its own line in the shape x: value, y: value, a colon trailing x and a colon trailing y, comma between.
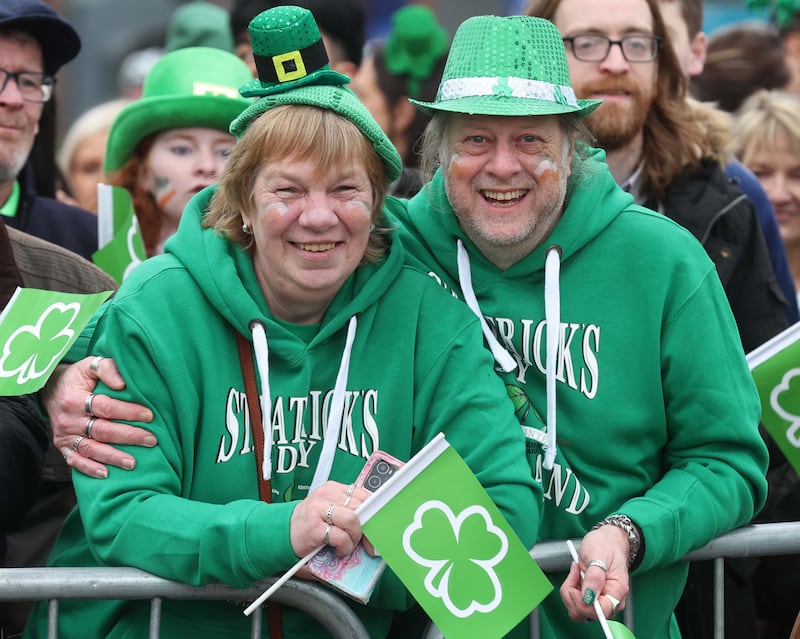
x: 588, y: 597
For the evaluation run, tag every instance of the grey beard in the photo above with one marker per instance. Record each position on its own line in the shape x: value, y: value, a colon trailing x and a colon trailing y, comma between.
x: 10, y: 169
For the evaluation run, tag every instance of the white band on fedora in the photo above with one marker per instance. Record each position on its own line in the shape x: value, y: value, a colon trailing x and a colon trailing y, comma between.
x: 456, y: 88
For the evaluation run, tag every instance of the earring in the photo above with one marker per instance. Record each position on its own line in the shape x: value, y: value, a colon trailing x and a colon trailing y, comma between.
x: 246, y: 229
x: 371, y: 228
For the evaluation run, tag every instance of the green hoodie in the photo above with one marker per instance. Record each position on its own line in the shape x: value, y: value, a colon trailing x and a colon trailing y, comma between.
x: 656, y: 412
x: 191, y: 511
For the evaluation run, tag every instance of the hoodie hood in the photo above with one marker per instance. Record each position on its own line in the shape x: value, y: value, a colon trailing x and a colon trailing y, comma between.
x: 225, y: 274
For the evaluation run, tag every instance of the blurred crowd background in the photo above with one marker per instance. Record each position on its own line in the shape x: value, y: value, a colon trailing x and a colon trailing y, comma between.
x: 121, y: 39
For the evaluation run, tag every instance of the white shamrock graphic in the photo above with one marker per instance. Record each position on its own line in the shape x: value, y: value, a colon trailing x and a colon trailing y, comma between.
x: 793, y: 431
x: 30, y: 351
x: 442, y: 569
x: 133, y: 232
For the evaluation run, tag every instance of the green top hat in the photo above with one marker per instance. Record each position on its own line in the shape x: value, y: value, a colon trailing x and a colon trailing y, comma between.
x: 189, y: 87
x: 507, y: 66
x: 293, y: 69
x: 415, y: 45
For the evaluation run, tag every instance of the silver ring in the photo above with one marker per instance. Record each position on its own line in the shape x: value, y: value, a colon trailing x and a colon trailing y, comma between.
x: 599, y: 563
x: 66, y: 452
x: 95, y: 364
x: 87, y: 404
x: 87, y: 430
x: 350, y: 490
x: 614, y: 604
x: 326, y: 538
x: 347, y: 501
x: 77, y: 443
x: 329, y: 514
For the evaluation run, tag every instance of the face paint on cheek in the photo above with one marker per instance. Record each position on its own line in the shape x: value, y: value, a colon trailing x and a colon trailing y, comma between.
x: 457, y: 166
x: 274, y: 210
x: 359, y: 207
x: 547, y: 172
x: 163, y: 192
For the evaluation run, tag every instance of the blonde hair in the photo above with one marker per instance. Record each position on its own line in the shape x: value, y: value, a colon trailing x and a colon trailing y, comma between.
x: 300, y: 132
x: 763, y: 119
x: 98, y: 118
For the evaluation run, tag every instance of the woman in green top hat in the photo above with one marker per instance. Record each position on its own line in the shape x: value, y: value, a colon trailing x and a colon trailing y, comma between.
x: 174, y: 141
x: 288, y: 262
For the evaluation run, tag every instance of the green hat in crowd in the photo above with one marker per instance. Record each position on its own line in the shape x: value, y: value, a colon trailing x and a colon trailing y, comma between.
x: 415, y: 46
x: 199, y: 24
x: 293, y: 69
x: 189, y: 87
x: 507, y: 66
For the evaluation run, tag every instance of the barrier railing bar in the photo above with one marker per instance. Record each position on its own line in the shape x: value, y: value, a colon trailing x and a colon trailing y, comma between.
x: 30, y: 584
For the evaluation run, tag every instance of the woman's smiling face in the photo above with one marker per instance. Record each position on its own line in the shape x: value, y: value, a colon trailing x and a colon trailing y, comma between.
x: 310, y: 230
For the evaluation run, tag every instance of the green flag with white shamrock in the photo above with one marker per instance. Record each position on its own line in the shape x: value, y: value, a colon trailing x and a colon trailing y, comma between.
x: 36, y: 330
x: 120, y: 240
x: 442, y: 535
x: 775, y: 366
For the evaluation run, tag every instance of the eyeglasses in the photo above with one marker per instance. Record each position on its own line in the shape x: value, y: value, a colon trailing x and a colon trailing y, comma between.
x: 595, y: 47
x: 34, y: 87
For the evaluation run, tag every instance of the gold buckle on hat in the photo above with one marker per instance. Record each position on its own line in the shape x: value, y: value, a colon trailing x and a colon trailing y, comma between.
x: 289, y: 66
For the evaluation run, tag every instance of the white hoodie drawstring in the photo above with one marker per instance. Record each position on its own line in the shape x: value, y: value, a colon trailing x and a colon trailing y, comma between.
x: 552, y: 316
x: 501, y: 355
x: 262, y: 362
x: 331, y: 437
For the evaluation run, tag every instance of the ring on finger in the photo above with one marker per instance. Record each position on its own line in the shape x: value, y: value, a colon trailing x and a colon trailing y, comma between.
x: 349, y: 493
x: 87, y: 404
x: 87, y: 430
x: 614, y: 604
x: 77, y: 443
x: 599, y: 563
x: 95, y: 364
x: 329, y: 514
x: 326, y: 538
x: 66, y: 452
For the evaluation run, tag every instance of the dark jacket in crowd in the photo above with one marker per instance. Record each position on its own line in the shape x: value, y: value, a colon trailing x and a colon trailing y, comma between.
x: 72, y: 227
x: 721, y: 216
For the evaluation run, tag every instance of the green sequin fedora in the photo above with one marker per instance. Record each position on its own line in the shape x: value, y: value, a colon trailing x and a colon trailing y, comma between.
x: 513, y: 65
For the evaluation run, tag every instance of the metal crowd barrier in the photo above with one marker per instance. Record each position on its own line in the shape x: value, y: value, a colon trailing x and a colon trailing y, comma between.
x: 31, y: 584
x: 757, y: 540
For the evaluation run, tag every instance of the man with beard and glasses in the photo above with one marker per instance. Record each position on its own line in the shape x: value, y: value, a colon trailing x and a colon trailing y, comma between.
x: 607, y: 322
x: 619, y: 51
x: 35, y: 42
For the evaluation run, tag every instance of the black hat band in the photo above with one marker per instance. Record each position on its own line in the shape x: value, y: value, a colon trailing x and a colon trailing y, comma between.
x: 291, y: 65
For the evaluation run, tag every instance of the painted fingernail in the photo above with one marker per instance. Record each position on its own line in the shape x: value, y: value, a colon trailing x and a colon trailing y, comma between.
x: 588, y: 596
